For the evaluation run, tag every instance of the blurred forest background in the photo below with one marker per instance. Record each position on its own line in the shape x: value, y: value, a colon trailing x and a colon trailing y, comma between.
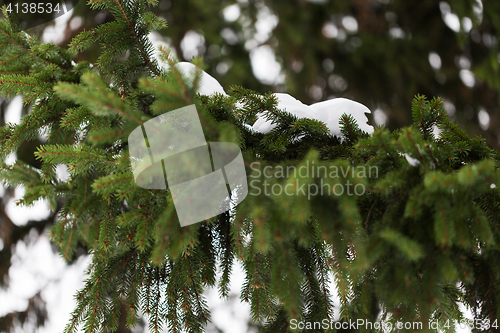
x: 378, y: 52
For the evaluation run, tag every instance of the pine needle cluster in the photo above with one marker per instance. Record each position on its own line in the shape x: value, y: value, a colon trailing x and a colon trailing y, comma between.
x: 419, y: 240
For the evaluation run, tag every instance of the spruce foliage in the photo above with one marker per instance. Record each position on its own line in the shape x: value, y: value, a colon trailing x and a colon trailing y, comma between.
x: 421, y: 238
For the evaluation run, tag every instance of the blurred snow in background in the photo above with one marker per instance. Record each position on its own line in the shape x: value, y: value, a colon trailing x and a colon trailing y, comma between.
x: 38, y: 268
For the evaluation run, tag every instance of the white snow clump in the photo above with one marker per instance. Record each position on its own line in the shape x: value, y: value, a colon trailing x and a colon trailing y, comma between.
x: 328, y: 111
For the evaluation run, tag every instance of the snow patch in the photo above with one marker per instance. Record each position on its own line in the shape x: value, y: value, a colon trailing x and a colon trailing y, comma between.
x: 328, y: 111
x: 208, y: 84
x: 412, y: 161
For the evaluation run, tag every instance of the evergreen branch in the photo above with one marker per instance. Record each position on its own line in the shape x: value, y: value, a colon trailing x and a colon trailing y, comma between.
x: 111, y: 183
x: 156, y: 321
x: 131, y: 26
x: 12, y: 58
x: 80, y: 158
x: 323, y: 277
x: 104, y: 229
x: 23, y: 47
x: 227, y: 253
x: 91, y: 322
x: 18, y: 83
x: 177, y: 75
x: 19, y: 173
x: 141, y: 254
x: 68, y: 246
x: 97, y: 96
x: 156, y: 87
x: 108, y: 135
x: 197, y: 293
